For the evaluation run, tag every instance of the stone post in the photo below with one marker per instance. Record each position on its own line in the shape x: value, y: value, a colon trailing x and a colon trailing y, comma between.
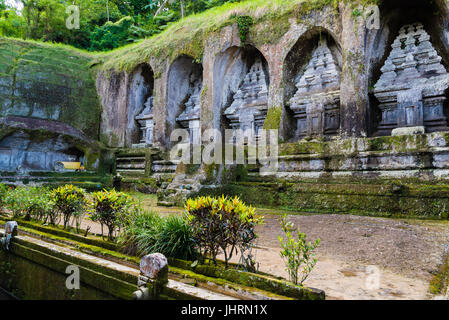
x: 11, y: 229
x: 153, y: 277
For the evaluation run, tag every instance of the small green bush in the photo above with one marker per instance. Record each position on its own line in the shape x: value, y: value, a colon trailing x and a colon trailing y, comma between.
x: 38, y: 203
x: 14, y: 201
x: 111, y: 208
x: 3, y: 192
x: 28, y: 202
x: 297, y: 253
x: 244, y: 23
x: 221, y: 225
x: 69, y: 201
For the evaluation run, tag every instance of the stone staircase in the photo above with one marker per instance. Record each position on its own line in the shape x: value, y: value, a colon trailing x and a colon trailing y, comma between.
x: 163, y: 167
x: 144, y: 162
x: 131, y: 165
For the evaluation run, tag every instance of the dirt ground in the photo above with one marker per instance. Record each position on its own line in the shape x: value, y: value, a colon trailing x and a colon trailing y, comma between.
x: 404, y: 253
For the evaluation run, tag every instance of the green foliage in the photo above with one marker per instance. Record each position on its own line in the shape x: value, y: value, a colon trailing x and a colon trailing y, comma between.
x: 221, y: 225
x: 13, y: 201
x: 273, y: 119
x: 146, y: 232
x: 11, y: 24
x: 111, y: 208
x: 3, y: 192
x: 297, y: 253
x: 244, y: 23
x: 174, y: 239
x: 99, y: 20
x: 70, y: 201
x: 140, y: 224
x: 188, y: 36
x: 46, y: 19
x: 113, y: 35
x: 356, y: 12
x: 28, y: 202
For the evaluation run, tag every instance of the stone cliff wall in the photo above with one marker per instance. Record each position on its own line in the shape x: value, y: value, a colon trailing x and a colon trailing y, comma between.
x: 340, y: 150
x: 49, y: 108
x: 285, y: 39
x: 48, y: 82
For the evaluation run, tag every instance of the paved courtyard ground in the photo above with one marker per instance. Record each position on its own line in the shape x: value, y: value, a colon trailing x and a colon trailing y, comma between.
x: 406, y: 252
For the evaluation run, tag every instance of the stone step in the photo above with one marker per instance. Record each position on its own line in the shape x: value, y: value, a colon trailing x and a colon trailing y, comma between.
x: 131, y: 171
x: 127, y: 159
x: 131, y: 166
x: 196, y: 292
x: 164, y: 168
x: 165, y: 204
x: 165, y: 162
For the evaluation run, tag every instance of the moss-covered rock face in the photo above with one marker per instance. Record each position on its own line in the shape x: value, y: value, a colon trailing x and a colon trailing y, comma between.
x: 48, y: 82
x: 273, y: 119
x: 382, y: 200
x: 49, y: 107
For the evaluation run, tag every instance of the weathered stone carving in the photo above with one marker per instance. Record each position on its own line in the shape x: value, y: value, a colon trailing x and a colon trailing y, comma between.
x: 11, y: 229
x: 153, y: 277
x: 146, y: 124
x: 190, y: 118
x: 411, y: 90
x: 154, y: 266
x: 316, y: 104
x: 249, y: 108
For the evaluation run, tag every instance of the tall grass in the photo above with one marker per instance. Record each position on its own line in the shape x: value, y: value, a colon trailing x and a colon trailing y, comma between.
x: 174, y: 239
x: 148, y: 233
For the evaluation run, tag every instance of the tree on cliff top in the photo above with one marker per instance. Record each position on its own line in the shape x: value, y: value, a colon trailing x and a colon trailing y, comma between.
x: 101, y: 21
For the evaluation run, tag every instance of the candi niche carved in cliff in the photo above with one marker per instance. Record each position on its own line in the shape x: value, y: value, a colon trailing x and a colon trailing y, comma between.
x: 411, y: 90
x: 190, y: 118
x: 249, y: 108
x: 316, y: 104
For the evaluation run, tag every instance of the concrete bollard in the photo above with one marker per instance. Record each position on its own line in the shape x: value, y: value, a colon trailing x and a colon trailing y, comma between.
x: 153, y: 277
x: 11, y: 228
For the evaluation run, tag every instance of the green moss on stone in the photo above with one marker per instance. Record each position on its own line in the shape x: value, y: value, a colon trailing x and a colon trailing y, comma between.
x: 273, y: 119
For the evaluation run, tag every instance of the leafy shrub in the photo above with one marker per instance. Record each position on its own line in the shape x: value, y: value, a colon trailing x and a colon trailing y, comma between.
x: 222, y: 224
x: 111, y: 35
x: 28, y: 202
x: 244, y: 23
x: 297, y: 253
x: 15, y: 201
x: 3, y: 192
x: 38, y: 203
x: 70, y: 201
x: 111, y: 208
